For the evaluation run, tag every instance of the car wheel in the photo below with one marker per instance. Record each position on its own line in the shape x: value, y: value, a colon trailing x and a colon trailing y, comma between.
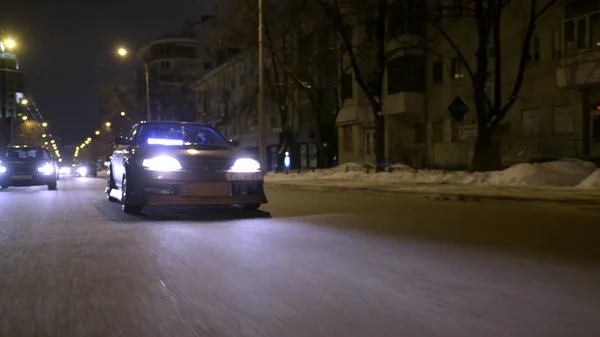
x: 126, y: 204
x: 52, y: 186
x: 250, y: 207
x: 110, y: 185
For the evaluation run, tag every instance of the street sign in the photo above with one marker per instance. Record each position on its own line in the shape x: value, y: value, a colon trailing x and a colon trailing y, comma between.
x: 458, y: 109
x: 467, y: 132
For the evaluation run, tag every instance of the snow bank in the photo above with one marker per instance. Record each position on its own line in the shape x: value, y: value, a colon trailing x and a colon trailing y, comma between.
x: 564, y: 173
x: 592, y: 181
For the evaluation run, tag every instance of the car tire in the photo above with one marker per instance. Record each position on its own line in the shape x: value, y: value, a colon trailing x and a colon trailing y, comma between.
x: 126, y: 205
x: 52, y: 186
x: 250, y: 207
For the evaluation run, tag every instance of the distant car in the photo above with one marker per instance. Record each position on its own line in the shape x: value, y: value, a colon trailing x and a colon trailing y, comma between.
x: 177, y: 163
x: 28, y: 166
x: 86, y: 169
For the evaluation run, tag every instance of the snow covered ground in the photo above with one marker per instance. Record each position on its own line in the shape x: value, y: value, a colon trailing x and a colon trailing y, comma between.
x: 566, y: 179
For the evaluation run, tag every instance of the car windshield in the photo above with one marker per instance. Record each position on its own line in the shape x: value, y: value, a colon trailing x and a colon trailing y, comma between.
x: 179, y: 134
x: 23, y: 154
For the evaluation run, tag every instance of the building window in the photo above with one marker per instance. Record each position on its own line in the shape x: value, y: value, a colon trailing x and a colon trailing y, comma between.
x: 438, y: 71
x: 582, y: 25
x: 406, y: 74
x: 346, y: 91
x: 406, y: 17
x: 531, y: 122
x: 438, y: 132
x: 534, y: 53
x: 596, y: 128
x: 347, y: 138
x: 458, y: 68
x: 563, y: 121
x: 556, y: 45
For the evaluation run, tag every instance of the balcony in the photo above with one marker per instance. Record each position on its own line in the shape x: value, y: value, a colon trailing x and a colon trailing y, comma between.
x: 404, y: 103
x: 579, y: 71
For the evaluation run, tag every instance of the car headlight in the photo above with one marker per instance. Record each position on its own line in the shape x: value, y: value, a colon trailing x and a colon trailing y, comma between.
x: 162, y: 163
x: 82, y: 171
x: 2, y: 169
x: 46, y: 169
x: 245, y: 165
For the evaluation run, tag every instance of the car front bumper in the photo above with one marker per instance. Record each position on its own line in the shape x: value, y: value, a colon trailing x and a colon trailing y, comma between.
x: 186, y: 188
x: 26, y: 180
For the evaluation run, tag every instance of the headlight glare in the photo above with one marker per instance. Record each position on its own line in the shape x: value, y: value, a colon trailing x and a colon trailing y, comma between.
x: 162, y: 163
x: 46, y: 169
x: 2, y: 169
x: 245, y: 165
x: 82, y: 171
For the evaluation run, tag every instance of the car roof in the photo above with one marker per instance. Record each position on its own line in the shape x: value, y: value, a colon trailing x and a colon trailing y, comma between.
x: 176, y: 122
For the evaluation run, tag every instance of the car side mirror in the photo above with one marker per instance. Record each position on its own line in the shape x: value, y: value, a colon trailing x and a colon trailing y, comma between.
x: 234, y: 143
x: 121, y: 141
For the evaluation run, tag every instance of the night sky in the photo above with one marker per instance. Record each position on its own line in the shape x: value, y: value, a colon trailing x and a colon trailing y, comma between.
x: 67, y: 51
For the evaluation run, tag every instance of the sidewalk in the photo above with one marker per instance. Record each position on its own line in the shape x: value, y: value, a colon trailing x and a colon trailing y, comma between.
x: 554, y: 194
x: 559, y: 181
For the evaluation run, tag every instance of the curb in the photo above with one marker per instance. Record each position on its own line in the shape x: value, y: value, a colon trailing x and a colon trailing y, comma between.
x: 458, y: 196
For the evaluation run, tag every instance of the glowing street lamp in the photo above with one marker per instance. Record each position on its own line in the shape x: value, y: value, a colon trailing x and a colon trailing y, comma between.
x: 44, y: 135
x: 97, y: 132
x: 10, y: 43
x: 123, y: 113
x: 24, y: 101
x: 45, y: 124
x: 107, y: 124
x: 24, y: 118
x: 52, y: 141
x: 122, y: 52
x: 89, y: 139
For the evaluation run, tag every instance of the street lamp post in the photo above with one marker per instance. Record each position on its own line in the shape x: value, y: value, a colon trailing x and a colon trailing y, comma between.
x: 123, y: 52
x: 262, y: 146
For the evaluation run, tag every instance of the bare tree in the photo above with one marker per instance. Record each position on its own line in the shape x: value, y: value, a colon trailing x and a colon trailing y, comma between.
x: 345, y: 16
x: 492, y: 107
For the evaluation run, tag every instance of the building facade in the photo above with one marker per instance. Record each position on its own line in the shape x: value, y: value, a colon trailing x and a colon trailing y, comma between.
x: 173, y: 66
x: 556, y: 114
x: 12, y: 89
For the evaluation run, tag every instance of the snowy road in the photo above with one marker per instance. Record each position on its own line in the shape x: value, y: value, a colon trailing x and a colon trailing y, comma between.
x: 313, y: 264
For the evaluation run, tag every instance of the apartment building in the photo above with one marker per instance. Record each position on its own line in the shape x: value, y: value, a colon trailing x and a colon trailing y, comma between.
x: 557, y: 112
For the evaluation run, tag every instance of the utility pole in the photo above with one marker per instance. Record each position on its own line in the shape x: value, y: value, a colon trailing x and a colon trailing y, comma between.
x: 262, y: 146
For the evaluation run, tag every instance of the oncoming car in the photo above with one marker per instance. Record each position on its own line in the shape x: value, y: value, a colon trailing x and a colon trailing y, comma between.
x: 28, y: 166
x: 177, y: 163
x: 85, y: 168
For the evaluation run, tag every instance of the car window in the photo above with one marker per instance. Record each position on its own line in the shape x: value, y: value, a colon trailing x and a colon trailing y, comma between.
x: 180, y: 134
x: 21, y: 154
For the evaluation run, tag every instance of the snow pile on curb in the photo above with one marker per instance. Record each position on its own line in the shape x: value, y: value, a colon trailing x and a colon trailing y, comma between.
x: 562, y: 173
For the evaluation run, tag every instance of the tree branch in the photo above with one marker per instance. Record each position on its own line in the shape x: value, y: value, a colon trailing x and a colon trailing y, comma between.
x: 534, y: 15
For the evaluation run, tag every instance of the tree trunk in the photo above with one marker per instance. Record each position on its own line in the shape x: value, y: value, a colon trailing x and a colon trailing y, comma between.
x: 487, y: 155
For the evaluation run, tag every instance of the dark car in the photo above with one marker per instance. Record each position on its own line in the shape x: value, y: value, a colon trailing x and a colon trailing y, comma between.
x: 28, y: 166
x: 85, y: 168
x: 177, y: 163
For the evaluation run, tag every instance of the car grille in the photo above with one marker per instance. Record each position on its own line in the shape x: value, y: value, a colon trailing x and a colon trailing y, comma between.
x: 17, y: 168
x: 203, y: 163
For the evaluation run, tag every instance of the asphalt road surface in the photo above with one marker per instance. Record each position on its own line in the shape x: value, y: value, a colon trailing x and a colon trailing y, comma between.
x: 312, y: 264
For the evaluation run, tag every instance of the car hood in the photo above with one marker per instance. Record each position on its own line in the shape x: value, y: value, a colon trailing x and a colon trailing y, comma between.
x: 197, y: 151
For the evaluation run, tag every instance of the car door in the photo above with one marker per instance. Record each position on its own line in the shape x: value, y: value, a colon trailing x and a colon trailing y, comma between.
x: 120, y: 155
